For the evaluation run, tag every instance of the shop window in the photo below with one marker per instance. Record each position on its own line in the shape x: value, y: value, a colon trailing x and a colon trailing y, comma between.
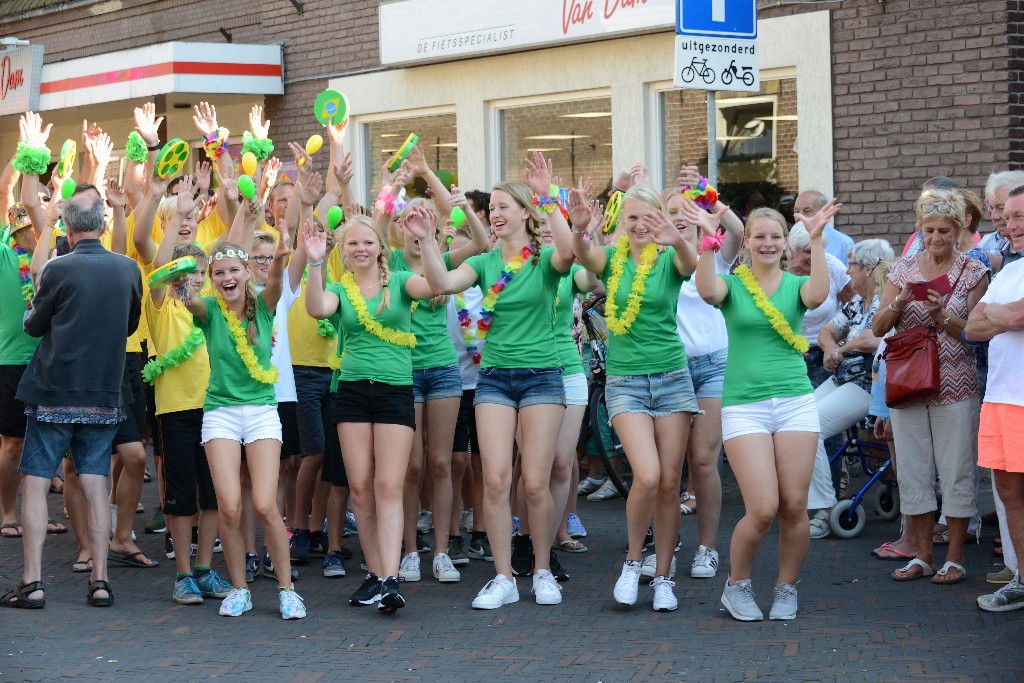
x: 575, y: 134
x: 437, y: 137
x: 756, y: 141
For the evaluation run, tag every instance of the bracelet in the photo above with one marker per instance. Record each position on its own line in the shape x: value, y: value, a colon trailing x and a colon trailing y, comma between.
x: 545, y: 204
x: 893, y: 309
x: 314, y: 264
x: 154, y: 148
x: 216, y: 143
x: 713, y: 243
x: 31, y: 160
x: 261, y: 148
x: 704, y: 194
x: 949, y: 316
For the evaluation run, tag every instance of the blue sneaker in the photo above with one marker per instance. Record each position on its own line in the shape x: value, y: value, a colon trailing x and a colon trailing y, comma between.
x: 318, y: 543
x: 350, y: 524
x: 576, y: 528
x: 333, y: 565
x: 186, y: 592
x: 271, y: 573
x: 299, y: 547
x: 211, y: 585
x: 252, y: 567
x: 238, y: 602
x: 292, y: 606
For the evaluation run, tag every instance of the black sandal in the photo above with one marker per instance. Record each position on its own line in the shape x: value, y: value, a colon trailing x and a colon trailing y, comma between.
x: 100, y: 585
x: 18, y: 597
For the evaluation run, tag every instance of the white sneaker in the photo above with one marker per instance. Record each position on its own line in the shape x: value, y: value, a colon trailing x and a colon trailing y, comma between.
x: 238, y: 602
x: 424, y: 521
x: 820, y: 528
x: 739, y: 600
x: 444, y: 570
x: 784, y: 606
x: 292, y: 605
x: 705, y: 563
x: 496, y: 592
x: 545, y: 589
x: 409, y: 570
x: 588, y: 486
x: 628, y: 584
x: 664, y: 598
x: 649, y: 567
x: 606, y: 492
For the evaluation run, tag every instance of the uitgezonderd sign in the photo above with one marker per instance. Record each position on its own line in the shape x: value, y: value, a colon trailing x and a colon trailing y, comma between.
x: 21, y: 71
x: 423, y: 31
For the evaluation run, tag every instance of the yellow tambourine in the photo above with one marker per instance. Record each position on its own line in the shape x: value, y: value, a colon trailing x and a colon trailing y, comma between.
x: 171, y: 158
x: 172, y: 271
x: 611, y: 212
x: 396, y: 160
x: 66, y: 163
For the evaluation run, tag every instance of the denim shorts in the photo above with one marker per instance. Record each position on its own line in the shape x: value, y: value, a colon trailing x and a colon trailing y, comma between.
x: 435, y: 383
x: 657, y: 395
x: 575, y: 389
x: 520, y: 387
x: 313, y: 409
x: 47, y: 442
x: 708, y: 373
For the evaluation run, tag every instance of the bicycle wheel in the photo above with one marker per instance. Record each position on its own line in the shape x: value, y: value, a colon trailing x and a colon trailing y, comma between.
x: 688, y: 74
x: 607, y: 442
x: 726, y: 77
x: 708, y: 75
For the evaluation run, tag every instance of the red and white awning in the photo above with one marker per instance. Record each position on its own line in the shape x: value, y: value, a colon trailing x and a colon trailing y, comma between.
x: 162, y: 69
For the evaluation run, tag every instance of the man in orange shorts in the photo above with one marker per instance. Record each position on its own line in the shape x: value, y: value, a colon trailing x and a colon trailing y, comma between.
x: 999, y: 319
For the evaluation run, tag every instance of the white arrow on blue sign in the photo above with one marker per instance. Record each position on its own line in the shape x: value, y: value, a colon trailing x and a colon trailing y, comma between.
x: 722, y: 18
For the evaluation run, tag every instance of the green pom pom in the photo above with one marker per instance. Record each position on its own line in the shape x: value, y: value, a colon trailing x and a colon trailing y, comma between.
x: 326, y: 328
x: 261, y: 149
x: 31, y: 160
x: 174, y: 357
x: 136, y: 149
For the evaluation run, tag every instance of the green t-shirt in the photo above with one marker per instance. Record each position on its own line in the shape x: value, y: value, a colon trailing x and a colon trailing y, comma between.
x: 568, y: 352
x: 761, y: 364
x: 521, y: 334
x: 230, y: 381
x: 16, y: 346
x: 434, y: 348
x: 366, y: 356
x: 652, y: 343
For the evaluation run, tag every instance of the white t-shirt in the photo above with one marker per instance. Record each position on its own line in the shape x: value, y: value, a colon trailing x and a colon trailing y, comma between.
x: 701, y: 326
x: 467, y: 368
x: 820, y: 316
x: 1006, y: 350
x: 281, y: 355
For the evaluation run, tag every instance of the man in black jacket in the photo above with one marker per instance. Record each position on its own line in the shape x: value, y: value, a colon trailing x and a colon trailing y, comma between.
x: 86, y: 305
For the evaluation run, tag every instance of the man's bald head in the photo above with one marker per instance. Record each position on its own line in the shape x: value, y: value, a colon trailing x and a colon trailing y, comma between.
x: 808, y: 202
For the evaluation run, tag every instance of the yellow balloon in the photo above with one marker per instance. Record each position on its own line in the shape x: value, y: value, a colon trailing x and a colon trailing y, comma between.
x: 249, y: 163
x: 314, y: 144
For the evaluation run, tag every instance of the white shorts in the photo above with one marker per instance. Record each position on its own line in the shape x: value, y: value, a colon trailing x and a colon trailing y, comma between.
x: 244, y: 424
x: 789, y: 414
x: 575, y: 389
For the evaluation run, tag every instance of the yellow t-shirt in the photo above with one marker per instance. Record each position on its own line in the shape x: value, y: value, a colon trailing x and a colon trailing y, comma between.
x: 211, y: 229
x: 135, y: 340
x: 307, y: 345
x: 182, y: 387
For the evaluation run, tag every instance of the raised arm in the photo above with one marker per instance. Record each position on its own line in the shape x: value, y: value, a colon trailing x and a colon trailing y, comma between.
x: 815, y: 291
x: 478, y: 242
x: 99, y: 147
x: 145, y: 218
x: 33, y: 137
x: 418, y: 166
x: 591, y: 257
x: 319, y: 304
x: 663, y: 232
x: 420, y: 222
x: 8, y: 179
x: 244, y: 226
x: 712, y: 289
x: 303, y: 197
x: 539, y: 172
x: 119, y: 225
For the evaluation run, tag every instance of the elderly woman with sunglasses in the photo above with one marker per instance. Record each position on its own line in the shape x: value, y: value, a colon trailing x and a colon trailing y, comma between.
x: 847, y: 343
x: 939, y: 436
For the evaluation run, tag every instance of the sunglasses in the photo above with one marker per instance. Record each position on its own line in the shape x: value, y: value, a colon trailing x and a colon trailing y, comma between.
x: 232, y: 253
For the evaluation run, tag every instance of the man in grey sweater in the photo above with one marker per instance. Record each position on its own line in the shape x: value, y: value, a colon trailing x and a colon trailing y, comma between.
x: 86, y: 305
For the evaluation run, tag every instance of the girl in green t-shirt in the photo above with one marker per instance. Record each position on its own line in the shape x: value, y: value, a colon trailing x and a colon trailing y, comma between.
x: 520, y: 380
x: 240, y: 410
x: 374, y: 402
x: 436, y: 381
x: 649, y: 391
x: 769, y: 419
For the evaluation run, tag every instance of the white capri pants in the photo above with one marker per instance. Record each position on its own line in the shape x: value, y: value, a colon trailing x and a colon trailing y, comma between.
x: 839, y: 408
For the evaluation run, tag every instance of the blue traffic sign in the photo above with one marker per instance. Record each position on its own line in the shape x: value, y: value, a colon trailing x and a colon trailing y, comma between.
x: 721, y: 18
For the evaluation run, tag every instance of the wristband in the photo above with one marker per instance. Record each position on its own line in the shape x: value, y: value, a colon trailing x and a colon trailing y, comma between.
x: 314, y: 264
x: 705, y: 196
x: 714, y: 243
x: 216, y: 143
x: 261, y: 148
x: 385, y: 201
x: 154, y: 148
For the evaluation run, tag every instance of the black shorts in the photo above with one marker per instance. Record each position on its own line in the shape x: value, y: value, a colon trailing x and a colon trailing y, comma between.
x: 465, y: 425
x: 134, y: 428
x: 289, y: 429
x: 333, y: 470
x: 185, y: 466
x: 369, y: 401
x: 12, y: 411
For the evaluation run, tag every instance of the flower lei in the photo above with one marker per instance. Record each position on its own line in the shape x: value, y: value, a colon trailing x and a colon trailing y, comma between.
x: 466, y: 323
x: 649, y: 256
x: 774, y: 315
x: 369, y: 323
x: 261, y: 148
x: 174, y: 357
x: 243, y: 347
x: 31, y: 160
x: 216, y: 143
x: 704, y: 195
x: 491, y: 298
x: 24, y: 272
x: 135, y: 149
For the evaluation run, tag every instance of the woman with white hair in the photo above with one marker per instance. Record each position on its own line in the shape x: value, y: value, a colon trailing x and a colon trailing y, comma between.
x: 840, y: 291
x: 846, y: 344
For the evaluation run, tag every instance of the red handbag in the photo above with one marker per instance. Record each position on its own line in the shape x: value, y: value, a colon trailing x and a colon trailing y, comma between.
x: 911, y: 366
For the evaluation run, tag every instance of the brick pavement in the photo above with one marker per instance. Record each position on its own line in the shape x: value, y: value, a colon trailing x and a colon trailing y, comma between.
x: 854, y: 624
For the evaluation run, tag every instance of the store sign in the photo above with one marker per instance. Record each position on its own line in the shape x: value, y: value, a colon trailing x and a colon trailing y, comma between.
x: 716, y: 45
x: 21, y: 71
x: 423, y: 31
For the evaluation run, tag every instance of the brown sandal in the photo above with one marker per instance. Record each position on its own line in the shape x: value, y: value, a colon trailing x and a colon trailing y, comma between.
x: 18, y: 597
x: 99, y: 585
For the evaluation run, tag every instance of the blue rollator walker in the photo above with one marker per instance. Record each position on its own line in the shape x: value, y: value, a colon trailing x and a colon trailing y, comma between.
x: 848, y: 517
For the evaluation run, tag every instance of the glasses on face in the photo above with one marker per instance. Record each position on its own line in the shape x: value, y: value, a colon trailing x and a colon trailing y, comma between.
x: 938, y: 207
x: 232, y: 253
x: 263, y: 259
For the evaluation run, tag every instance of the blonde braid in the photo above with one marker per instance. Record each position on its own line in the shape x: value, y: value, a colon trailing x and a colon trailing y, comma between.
x: 533, y: 231
x: 385, y: 277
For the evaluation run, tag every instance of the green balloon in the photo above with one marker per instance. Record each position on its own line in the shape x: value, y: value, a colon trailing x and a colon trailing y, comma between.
x: 68, y: 188
x: 334, y: 216
x: 247, y: 187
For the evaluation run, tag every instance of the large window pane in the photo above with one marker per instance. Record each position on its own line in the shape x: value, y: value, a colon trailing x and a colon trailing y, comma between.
x: 575, y: 134
x: 756, y: 136
x: 438, y: 140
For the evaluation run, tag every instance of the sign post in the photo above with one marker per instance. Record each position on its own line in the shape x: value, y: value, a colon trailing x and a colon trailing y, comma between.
x: 716, y: 49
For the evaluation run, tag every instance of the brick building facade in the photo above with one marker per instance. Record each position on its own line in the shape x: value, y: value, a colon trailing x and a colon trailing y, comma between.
x: 919, y: 87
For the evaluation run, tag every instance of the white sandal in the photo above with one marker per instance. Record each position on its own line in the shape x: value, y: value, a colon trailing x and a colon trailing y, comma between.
x: 688, y: 509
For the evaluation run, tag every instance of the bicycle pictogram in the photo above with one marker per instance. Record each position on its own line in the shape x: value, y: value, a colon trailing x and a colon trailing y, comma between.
x: 731, y: 72
x: 698, y: 68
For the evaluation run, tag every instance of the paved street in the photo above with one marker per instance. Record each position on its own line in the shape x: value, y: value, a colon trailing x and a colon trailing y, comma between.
x: 854, y: 624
